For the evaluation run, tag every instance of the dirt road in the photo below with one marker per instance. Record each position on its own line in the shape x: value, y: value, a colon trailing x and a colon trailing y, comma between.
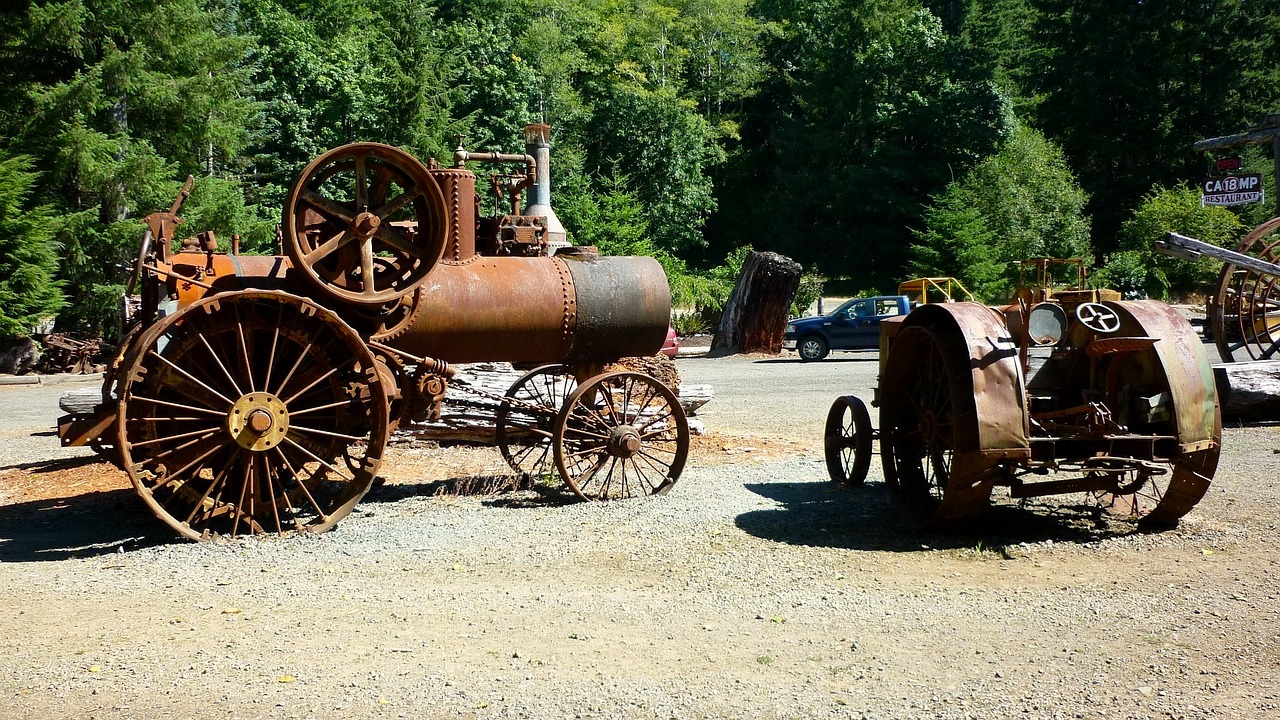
x: 754, y: 589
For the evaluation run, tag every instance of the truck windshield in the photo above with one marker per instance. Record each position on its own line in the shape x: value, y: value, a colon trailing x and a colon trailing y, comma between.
x: 857, y: 307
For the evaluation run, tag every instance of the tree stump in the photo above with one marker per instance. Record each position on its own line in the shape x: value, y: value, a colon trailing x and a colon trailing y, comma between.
x: 755, y: 317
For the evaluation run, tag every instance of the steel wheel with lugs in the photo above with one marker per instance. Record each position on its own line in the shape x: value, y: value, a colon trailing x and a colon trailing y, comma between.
x: 928, y: 446
x: 621, y: 435
x: 251, y: 412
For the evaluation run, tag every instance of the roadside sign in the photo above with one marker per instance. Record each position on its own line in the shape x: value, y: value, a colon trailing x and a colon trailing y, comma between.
x: 1227, y: 164
x: 1232, y: 190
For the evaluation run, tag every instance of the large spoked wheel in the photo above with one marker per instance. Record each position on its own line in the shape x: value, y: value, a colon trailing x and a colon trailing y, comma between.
x: 365, y: 222
x: 1159, y: 500
x: 621, y: 435
x: 929, y: 466
x: 251, y: 412
x: 847, y: 441
x: 1245, y: 318
x: 527, y: 416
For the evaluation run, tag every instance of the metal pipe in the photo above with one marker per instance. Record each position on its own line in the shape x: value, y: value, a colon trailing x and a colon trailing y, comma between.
x: 461, y: 157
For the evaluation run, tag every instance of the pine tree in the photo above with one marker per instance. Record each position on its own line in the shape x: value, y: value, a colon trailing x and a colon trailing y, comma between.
x: 28, y: 253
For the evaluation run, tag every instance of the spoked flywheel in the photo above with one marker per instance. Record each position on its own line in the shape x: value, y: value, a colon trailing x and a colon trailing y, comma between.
x: 365, y: 222
x: 527, y: 416
x: 621, y: 435
x: 251, y: 412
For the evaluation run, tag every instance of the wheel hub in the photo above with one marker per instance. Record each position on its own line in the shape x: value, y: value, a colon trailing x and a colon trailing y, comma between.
x: 258, y: 421
x: 366, y: 224
x: 624, y: 441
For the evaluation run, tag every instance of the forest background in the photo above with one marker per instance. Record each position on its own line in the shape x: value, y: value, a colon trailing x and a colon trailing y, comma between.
x: 872, y: 140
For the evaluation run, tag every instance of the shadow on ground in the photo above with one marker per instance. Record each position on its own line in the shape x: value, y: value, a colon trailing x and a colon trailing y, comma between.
x: 79, y: 526
x: 861, y: 518
x: 505, y: 491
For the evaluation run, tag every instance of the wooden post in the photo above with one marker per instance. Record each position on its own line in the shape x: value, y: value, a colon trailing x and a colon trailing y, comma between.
x: 755, y: 317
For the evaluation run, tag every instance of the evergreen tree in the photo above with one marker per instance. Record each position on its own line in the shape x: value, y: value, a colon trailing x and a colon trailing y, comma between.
x: 881, y: 110
x: 1128, y: 86
x: 28, y: 252
x: 117, y: 101
x: 1020, y: 203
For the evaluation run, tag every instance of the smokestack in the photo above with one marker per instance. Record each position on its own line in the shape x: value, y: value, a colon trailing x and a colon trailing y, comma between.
x: 537, y: 142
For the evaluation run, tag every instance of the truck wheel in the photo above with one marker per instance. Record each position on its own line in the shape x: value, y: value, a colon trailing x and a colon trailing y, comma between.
x: 812, y: 347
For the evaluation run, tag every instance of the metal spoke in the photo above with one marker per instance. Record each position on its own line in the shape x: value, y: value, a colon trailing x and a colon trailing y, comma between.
x: 192, y: 378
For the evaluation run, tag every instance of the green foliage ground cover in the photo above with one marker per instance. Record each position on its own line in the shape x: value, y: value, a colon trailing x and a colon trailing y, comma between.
x: 868, y: 139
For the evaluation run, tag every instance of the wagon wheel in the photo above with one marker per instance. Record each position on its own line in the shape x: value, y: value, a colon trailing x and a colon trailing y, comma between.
x: 1245, y: 319
x: 930, y: 465
x: 847, y: 441
x: 527, y: 415
x: 620, y: 435
x: 365, y: 222
x: 251, y: 412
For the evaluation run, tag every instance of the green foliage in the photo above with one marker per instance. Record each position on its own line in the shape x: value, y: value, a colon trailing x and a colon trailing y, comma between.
x: 28, y: 252
x: 1138, y: 269
x: 808, y: 293
x: 116, y: 101
x: 1126, y: 88
x: 880, y: 111
x: 219, y: 205
x: 867, y: 139
x: 666, y: 148
x: 1020, y: 203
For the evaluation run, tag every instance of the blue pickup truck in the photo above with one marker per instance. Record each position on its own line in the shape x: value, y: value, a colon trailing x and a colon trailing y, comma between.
x: 855, y: 325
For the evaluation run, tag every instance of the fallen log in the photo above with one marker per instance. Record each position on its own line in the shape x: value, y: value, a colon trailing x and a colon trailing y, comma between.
x: 1249, y: 390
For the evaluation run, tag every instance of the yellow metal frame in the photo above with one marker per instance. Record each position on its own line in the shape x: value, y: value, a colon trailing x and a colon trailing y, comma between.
x: 945, y: 287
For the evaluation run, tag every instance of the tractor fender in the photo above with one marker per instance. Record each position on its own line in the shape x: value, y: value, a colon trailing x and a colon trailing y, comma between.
x: 976, y: 342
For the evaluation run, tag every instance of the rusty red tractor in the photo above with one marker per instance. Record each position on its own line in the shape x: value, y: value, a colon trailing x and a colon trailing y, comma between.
x: 1081, y: 394
x: 256, y: 394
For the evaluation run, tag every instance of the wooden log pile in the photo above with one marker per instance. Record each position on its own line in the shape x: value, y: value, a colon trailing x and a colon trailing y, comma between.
x: 471, y: 417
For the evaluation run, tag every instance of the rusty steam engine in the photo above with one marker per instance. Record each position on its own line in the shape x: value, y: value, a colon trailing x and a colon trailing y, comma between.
x: 256, y: 394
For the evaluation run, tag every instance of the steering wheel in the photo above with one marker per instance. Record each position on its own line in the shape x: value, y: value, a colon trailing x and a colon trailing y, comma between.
x: 1098, y: 317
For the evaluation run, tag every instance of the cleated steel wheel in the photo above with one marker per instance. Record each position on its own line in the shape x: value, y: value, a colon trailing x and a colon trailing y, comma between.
x: 847, y: 441
x: 621, y: 435
x: 934, y: 474
x: 527, y: 416
x: 1158, y: 499
x: 251, y: 412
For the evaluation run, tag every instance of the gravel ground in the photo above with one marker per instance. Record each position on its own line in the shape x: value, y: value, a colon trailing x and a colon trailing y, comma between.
x: 754, y: 589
